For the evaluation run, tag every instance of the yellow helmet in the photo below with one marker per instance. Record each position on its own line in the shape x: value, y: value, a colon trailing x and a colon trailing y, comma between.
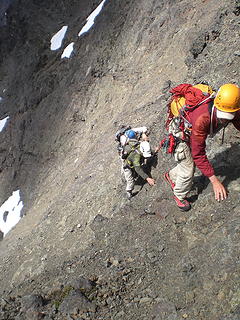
x: 228, y: 98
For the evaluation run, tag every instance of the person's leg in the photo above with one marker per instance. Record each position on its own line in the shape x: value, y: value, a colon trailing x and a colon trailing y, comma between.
x: 180, y: 177
x: 130, y: 181
x: 184, y: 171
x: 122, y: 169
x: 173, y: 173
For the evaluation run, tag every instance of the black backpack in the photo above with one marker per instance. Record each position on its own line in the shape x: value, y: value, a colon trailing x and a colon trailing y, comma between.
x: 121, y: 132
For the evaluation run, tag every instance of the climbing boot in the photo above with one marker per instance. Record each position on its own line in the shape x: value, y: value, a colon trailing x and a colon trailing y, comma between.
x: 183, y: 205
x: 129, y: 194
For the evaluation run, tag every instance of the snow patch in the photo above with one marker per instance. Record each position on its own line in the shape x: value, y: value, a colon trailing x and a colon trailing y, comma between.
x: 68, y: 51
x: 3, y: 122
x: 91, y: 18
x: 56, y: 41
x: 10, y: 212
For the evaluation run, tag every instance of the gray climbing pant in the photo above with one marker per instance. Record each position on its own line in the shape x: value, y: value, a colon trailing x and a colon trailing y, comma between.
x: 182, y: 174
x: 128, y: 174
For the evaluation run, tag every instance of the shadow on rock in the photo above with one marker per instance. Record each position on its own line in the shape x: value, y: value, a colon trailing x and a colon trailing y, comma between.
x: 225, y: 164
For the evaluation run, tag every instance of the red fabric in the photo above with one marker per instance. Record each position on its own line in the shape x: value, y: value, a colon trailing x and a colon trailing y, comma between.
x: 200, y: 120
x: 192, y: 95
x: 236, y: 120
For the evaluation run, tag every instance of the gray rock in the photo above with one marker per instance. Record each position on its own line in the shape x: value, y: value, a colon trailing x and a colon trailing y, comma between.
x: 76, y: 302
x: 164, y: 310
x: 82, y: 284
x: 33, y: 302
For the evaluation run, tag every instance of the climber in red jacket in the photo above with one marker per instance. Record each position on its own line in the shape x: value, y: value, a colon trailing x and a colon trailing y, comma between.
x: 206, y: 119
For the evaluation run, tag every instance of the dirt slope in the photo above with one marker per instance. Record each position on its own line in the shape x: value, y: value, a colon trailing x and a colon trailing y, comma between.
x: 145, y: 259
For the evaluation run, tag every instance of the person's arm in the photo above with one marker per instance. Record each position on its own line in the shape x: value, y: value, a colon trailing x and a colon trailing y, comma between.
x: 201, y: 160
x: 198, y: 138
x: 219, y: 190
x: 137, y: 167
x: 236, y: 120
x: 198, y: 149
x: 140, y: 129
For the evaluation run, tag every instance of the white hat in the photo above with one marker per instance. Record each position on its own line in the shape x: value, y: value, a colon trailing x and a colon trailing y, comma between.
x: 225, y: 115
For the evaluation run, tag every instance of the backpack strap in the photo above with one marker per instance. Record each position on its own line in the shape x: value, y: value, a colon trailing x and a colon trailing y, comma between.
x: 191, y: 108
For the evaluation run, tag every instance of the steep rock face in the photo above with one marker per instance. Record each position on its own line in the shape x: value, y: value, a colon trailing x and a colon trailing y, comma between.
x: 58, y: 149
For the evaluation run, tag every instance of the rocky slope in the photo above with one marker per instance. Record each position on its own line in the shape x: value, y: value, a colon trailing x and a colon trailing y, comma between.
x: 83, y: 251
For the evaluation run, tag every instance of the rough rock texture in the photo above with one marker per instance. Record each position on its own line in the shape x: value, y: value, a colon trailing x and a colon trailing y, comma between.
x: 83, y: 251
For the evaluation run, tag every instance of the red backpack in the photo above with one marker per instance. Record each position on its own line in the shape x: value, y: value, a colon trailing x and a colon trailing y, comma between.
x: 185, y: 98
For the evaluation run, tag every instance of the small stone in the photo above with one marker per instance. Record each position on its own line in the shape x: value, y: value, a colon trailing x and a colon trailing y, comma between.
x: 147, y: 211
x: 161, y: 248
x: 221, y: 296
x: 185, y: 316
x: 109, y: 300
x: 151, y: 255
x: 180, y: 219
x: 190, y: 297
x: 145, y: 300
x: 120, y: 314
x: 130, y: 259
x: 114, y: 261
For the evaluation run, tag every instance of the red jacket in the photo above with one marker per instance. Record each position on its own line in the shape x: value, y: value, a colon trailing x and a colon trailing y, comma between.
x: 200, y: 120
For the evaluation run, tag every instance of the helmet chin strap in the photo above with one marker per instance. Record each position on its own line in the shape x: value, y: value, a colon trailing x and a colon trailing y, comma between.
x: 211, y: 122
x: 211, y: 125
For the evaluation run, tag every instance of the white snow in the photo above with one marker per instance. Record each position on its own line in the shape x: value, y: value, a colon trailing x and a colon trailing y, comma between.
x: 91, y: 18
x: 56, y: 41
x: 10, y: 212
x: 68, y: 51
x: 2, y: 123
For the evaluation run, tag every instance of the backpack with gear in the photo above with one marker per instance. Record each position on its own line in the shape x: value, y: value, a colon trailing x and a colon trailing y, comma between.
x: 118, y: 135
x: 121, y: 132
x: 185, y: 98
